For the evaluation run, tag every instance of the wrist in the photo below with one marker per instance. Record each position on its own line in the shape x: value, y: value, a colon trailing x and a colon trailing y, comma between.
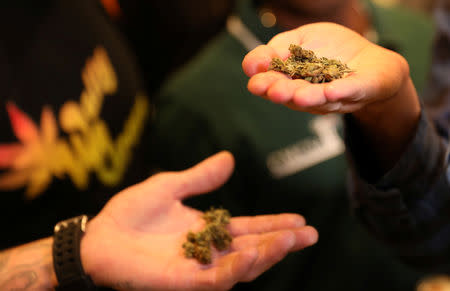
x: 396, y: 97
x: 53, y: 278
x: 68, y: 267
x: 389, y: 125
x: 393, y: 114
x: 85, y: 254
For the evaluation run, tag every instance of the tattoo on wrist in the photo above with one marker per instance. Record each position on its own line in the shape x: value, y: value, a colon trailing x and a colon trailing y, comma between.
x: 127, y: 285
x: 4, y: 260
x: 27, y: 267
x: 19, y: 281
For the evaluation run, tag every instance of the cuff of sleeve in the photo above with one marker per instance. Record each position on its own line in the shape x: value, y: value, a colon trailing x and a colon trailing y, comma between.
x: 418, y: 167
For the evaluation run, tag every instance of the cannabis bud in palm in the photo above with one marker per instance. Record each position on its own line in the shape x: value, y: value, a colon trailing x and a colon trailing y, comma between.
x: 198, y: 245
x: 303, y: 64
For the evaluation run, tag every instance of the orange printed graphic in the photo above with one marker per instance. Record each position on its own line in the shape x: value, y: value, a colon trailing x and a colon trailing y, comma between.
x: 41, y: 154
x: 112, y: 7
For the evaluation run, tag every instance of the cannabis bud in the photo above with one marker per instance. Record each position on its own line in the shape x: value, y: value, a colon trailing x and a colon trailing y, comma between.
x: 198, y: 245
x: 303, y: 64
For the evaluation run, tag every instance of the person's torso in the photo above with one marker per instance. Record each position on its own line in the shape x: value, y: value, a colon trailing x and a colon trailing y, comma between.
x: 73, y: 113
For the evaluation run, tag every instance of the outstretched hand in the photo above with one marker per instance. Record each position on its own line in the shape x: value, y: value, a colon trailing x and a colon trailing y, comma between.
x: 379, y: 93
x: 378, y: 73
x: 135, y: 243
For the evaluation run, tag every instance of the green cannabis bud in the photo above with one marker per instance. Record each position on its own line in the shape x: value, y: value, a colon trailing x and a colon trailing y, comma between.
x: 303, y: 64
x: 198, y: 245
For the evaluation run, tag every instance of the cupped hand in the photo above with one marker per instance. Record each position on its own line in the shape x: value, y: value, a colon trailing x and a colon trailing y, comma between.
x: 378, y: 73
x: 135, y: 243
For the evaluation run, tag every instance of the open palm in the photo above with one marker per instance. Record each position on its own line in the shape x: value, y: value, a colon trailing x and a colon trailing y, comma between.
x: 378, y: 73
x: 135, y: 243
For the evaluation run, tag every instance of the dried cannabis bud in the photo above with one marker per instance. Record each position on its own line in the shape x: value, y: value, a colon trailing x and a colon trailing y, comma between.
x: 217, y: 216
x: 303, y: 64
x: 198, y: 245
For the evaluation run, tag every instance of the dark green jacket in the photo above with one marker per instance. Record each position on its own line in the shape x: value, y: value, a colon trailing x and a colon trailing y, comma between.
x: 286, y: 161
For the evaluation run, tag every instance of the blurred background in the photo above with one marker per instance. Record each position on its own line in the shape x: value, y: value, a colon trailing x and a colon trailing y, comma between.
x: 419, y: 5
x: 182, y: 28
x: 174, y: 31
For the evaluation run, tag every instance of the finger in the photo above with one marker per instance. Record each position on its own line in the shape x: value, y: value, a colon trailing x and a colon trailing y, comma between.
x: 314, y: 98
x: 283, y: 90
x: 270, y: 251
x: 264, y: 223
x: 335, y: 107
x: 304, y: 236
x: 258, y: 60
x: 309, y: 96
x: 350, y: 88
x: 276, y: 247
x: 204, y: 177
x: 254, y: 255
x: 327, y: 107
x: 351, y: 107
x: 260, y: 83
x: 281, y: 42
x: 228, y: 270
x: 367, y: 84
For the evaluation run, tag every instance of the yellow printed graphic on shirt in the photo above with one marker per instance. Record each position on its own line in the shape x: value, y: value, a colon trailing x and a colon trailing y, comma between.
x: 41, y: 154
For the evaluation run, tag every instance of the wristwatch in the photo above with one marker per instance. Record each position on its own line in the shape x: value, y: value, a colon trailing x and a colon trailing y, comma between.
x: 66, y: 255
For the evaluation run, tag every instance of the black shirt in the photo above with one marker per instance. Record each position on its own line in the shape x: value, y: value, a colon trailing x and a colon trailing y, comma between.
x: 73, y: 115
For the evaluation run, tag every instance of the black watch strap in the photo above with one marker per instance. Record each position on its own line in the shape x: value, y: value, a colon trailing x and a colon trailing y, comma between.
x: 66, y: 255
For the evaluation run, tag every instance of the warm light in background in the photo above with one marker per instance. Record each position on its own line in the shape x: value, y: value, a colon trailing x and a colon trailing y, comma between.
x: 386, y: 3
x: 419, y: 5
x: 267, y: 18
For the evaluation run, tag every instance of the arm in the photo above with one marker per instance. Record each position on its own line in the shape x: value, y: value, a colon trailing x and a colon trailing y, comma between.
x: 28, y: 267
x: 420, y: 176
x: 388, y: 126
x: 393, y: 126
x: 379, y: 95
x: 135, y: 242
x: 384, y: 123
x: 406, y: 207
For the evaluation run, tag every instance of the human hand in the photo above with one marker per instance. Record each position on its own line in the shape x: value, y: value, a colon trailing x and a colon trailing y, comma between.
x: 135, y: 243
x: 378, y: 75
x: 379, y: 93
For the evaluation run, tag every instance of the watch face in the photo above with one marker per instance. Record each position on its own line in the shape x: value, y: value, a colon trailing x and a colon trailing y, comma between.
x: 82, y: 220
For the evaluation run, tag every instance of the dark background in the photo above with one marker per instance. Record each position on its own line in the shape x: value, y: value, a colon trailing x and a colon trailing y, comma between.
x: 165, y: 34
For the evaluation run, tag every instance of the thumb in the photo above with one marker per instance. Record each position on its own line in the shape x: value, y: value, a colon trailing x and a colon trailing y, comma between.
x: 206, y: 176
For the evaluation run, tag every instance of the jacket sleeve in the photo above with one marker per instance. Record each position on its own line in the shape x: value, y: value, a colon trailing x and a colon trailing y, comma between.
x: 409, y: 206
